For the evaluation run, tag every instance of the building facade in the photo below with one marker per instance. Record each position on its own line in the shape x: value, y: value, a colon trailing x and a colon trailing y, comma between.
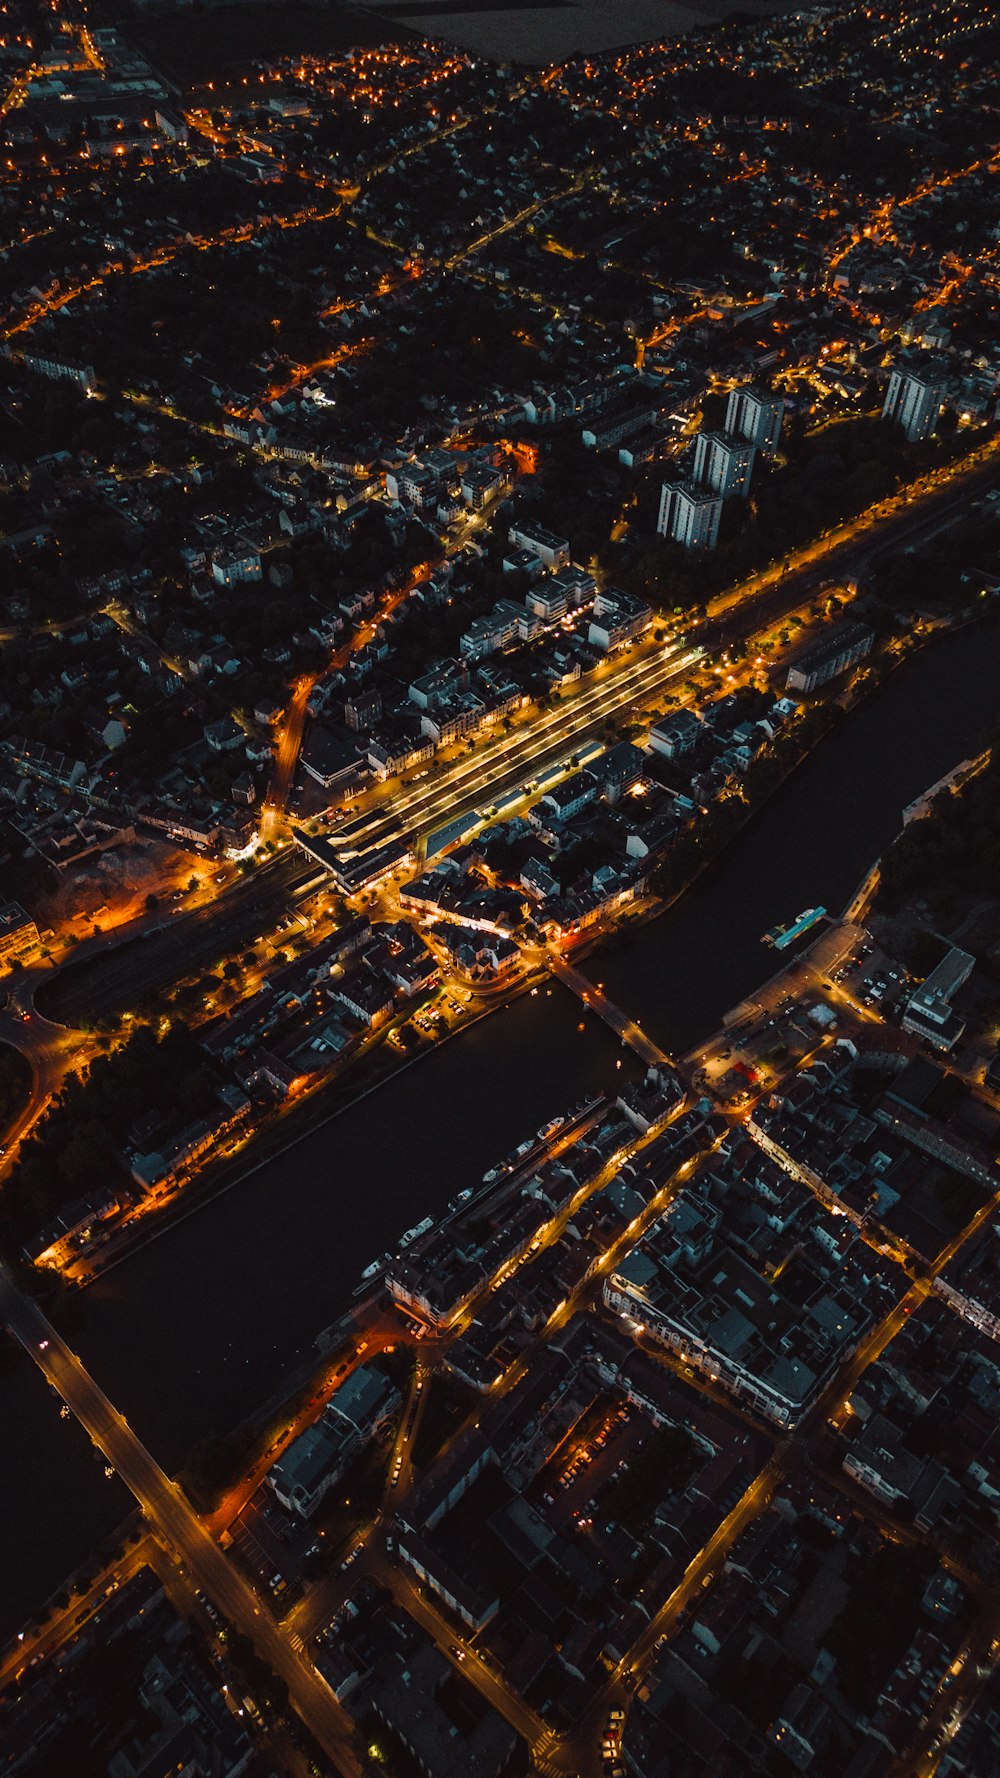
x: 756, y: 416
x: 822, y: 660
x: 723, y: 463
x: 913, y: 398
x: 689, y: 514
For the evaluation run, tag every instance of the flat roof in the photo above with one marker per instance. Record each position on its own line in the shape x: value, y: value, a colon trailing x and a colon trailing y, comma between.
x: 947, y: 978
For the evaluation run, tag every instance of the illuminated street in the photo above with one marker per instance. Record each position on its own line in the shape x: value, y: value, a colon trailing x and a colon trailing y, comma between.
x: 500, y: 1015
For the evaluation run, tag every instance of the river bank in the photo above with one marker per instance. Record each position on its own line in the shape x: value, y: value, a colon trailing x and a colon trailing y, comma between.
x: 810, y: 844
x: 190, y: 1334
x: 273, y: 1143
x: 377, y: 1065
x: 654, y: 907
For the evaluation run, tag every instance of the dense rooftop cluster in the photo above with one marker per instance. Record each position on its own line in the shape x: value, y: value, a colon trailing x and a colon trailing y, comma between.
x: 419, y: 482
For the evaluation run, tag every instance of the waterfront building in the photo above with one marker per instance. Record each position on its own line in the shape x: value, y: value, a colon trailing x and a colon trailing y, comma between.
x: 928, y: 1012
x: 832, y: 653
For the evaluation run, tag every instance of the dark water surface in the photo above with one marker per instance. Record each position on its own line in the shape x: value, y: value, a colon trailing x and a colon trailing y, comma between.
x: 194, y: 1331
x: 812, y: 844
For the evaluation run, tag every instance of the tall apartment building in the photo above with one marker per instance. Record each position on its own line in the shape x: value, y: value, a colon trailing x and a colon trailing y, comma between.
x: 723, y: 463
x: 756, y: 416
x: 913, y: 398
x: 690, y: 514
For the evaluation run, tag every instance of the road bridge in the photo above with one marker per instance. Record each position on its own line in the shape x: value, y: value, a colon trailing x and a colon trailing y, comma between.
x: 626, y: 1028
x: 178, y: 1525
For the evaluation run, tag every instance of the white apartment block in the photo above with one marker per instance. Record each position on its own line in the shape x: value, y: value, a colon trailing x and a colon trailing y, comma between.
x: 756, y: 416
x: 690, y: 514
x: 913, y: 399
x: 724, y: 463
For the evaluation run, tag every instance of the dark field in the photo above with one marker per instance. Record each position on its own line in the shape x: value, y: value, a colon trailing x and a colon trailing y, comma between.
x: 194, y: 47
x: 215, y: 44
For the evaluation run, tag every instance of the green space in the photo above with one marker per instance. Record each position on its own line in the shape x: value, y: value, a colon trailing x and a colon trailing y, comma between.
x: 15, y: 1085
x: 952, y: 854
x: 77, y: 1144
x: 662, y: 1466
x: 873, y: 1631
x: 448, y: 1401
x: 821, y: 479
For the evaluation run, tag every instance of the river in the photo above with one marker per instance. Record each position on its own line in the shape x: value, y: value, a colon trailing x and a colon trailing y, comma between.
x: 811, y: 845
x: 193, y: 1331
x: 200, y: 1326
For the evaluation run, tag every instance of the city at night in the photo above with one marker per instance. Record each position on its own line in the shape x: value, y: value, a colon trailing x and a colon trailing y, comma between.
x: 499, y: 889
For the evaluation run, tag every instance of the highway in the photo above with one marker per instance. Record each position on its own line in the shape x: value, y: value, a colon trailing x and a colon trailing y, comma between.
x: 479, y: 1672
x: 578, y: 1753
x: 323, y: 1601
x: 184, y: 1533
x: 501, y: 761
x: 292, y: 730
x: 917, y: 510
x: 168, y: 1512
